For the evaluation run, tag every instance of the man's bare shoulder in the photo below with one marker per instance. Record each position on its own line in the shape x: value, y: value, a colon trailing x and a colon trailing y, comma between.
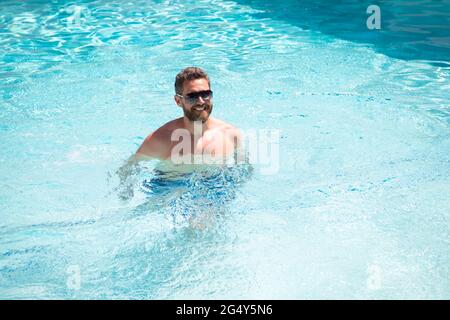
x: 165, y: 131
x: 227, y: 128
x: 222, y: 125
x: 158, y: 143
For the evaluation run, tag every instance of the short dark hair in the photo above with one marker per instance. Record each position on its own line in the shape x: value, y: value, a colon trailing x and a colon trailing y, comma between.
x: 189, y: 73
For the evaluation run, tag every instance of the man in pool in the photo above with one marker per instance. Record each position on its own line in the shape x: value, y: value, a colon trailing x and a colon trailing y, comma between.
x: 195, y: 138
x: 201, y: 135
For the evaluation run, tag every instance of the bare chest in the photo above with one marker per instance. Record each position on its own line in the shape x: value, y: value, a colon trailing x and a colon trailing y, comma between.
x: 213, y: 144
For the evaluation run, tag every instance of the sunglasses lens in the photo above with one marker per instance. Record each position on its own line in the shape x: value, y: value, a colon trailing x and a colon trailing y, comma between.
x: 206, y: 95
x: 193, y: 97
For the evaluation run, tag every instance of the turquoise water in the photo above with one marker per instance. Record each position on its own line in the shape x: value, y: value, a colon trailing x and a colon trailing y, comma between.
x: 359, y: 208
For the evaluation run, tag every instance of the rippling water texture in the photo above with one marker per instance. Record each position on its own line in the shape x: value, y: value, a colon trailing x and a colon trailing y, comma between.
x: 358, y: 209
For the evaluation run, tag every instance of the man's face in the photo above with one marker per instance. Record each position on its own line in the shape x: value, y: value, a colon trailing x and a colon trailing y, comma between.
x: 199, y: 109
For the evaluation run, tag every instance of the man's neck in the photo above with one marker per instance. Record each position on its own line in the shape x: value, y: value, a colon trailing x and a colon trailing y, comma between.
x: 196, y: 127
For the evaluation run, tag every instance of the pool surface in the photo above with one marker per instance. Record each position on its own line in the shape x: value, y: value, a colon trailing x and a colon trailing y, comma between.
x: 359, y: 208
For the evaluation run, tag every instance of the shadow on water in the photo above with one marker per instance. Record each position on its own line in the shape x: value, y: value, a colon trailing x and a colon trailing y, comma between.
x: 410, y: 30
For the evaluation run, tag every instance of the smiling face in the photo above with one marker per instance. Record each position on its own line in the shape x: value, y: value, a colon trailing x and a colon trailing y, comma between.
x: 201, y: 108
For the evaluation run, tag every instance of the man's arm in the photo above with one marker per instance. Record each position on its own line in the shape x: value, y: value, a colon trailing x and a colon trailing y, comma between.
x: 151, y: 148
x: 127, y: 177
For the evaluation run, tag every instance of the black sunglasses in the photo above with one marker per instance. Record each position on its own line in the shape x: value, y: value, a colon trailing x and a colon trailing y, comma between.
x: 192, y: 97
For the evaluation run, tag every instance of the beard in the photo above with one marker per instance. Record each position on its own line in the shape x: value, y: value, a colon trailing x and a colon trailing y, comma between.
x: 194, y: 115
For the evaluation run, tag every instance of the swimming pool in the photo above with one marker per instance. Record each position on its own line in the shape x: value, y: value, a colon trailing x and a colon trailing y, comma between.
x: 359, y: 207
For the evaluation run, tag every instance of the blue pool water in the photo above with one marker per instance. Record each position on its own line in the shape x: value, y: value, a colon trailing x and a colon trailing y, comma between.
x: 359, y: 208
